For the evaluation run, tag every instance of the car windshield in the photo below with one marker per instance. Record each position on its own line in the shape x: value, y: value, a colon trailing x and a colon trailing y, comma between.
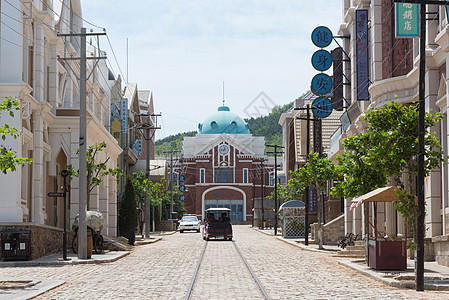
x: 189, y: 219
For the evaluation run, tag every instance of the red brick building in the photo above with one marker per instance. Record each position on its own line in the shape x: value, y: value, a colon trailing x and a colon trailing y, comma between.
x: 221, y: 163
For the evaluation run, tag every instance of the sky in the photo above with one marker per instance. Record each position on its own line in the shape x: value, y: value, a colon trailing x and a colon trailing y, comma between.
x: 184, y: 50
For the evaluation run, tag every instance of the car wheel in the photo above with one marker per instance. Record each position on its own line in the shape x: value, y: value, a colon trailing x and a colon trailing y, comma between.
x: 204, y: 238
x: 181, y: 231
x: 197, y: 230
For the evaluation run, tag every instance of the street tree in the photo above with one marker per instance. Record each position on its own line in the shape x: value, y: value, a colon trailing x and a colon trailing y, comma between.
x: 127, y: 211
x: 316, y: 173
x: 8, y: 158
x: 387, y: 150
x: 95, y: 170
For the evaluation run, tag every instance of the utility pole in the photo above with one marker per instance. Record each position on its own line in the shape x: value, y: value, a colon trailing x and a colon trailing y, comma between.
x: 82, y: 177
x: 254, y: 195
x: 171, y: 152
x: 306, y: 221
x: 420, y: 220
x: 276, y: 202
x: 262, y: 192
x: 150, y: 129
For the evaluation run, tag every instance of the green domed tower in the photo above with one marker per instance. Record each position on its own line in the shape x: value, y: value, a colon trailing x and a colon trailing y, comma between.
x: 223, y: 121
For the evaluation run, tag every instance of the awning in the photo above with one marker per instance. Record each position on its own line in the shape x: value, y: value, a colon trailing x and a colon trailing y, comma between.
x: 385, y: 194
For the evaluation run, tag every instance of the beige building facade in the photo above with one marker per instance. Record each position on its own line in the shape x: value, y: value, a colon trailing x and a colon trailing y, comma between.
x: 394, y: 76
x: 49, y: 96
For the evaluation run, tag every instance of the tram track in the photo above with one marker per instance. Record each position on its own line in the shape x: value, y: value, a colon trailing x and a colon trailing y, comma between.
x: 200, y: 261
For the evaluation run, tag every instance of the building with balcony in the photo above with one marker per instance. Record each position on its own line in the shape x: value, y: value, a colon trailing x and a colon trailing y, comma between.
x: 394, y: 76
x: 49, y: 96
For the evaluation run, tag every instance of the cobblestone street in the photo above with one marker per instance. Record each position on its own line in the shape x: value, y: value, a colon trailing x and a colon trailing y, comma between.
x: 164, y: 271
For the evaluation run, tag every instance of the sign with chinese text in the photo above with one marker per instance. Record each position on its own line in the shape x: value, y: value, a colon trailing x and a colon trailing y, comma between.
x: 124, y: 114
x: 321, y: 84
x: 321, y: 60
x: 407, y: 20
x: 321, y: 36
x: 362, y: 59
x: 313, y: 198
x: 322, y: 107
x: 337, y: 59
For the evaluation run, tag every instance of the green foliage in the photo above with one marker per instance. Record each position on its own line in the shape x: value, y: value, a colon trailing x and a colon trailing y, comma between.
x: 95, y: 170
x: 316, y: 172
x: 8, y: 158
x: 389, y: 149
x: 139, y: 185
x: 172, y: 142
x: 128, y: 209
x: 286, y: 193
x: 158, y: 193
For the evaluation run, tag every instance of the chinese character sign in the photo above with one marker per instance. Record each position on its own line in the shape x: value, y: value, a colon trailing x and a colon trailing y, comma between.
x: 321, y: 36
x: 407, y: 20
x: 321, y: 107
x: 321, y: 60
x: 321, y: 84
x: 124, y: 114
x: 313, y: 199
x: 362, y: 58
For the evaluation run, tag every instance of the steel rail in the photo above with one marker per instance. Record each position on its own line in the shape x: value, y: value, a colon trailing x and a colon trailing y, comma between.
x: 264, y: 293
x: 189, y: 292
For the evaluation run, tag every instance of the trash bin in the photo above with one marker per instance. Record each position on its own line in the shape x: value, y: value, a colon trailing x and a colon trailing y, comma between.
x: 132, y: 236
x: 16, y: 244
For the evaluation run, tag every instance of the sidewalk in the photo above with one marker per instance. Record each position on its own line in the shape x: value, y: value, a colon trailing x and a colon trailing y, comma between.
x: 436, y: 276
x: 299, y: 242
x: 56, y: 259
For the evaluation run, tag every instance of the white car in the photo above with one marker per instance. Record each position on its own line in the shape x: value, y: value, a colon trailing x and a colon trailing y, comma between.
x: 189, y: 222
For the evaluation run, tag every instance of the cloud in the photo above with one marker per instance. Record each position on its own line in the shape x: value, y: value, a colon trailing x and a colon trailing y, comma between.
x: 183, y: 50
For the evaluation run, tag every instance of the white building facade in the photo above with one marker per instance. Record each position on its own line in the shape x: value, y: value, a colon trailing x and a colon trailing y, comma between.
x: 48, y: 92
x: 394, y: 76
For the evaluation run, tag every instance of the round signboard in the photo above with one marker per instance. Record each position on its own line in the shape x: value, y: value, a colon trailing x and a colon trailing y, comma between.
x: 322, y: 107
x: 321, y: 36
x: 182, y: 188
x: 321, y: 60
x: 182, y: 197
x: 182, y: 178
x: 321, y: 84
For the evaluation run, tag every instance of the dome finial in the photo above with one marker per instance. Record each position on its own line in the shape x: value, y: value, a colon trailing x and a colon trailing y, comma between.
x: 223, y: 95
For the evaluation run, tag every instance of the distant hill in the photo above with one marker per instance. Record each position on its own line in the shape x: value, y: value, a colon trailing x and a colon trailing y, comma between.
x: 171, y: 142
x: 266, y: 126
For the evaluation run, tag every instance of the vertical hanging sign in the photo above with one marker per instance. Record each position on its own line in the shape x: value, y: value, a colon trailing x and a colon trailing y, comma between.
x: 407, y: 20
x: 124, y: 114
x: 362, y: 59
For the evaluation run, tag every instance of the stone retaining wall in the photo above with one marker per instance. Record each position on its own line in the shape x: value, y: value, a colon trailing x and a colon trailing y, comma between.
x: 441, y: 249
x: 332, y: 230
x: 45, y: 239
x: 166, y: 225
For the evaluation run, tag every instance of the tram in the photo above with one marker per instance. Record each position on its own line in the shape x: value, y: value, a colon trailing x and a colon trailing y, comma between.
x: 217, y: 224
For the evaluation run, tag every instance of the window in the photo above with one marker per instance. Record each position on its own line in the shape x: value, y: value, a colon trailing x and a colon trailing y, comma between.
x: 223, y: 175
x: 272, y: 179
x: 202, y: 175
x: 245, y: 175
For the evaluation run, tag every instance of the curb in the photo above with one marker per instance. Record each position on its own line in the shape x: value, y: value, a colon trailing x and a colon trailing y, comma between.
x: 62, y: 263
x: 146, y: 242
x: 393, y: 282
